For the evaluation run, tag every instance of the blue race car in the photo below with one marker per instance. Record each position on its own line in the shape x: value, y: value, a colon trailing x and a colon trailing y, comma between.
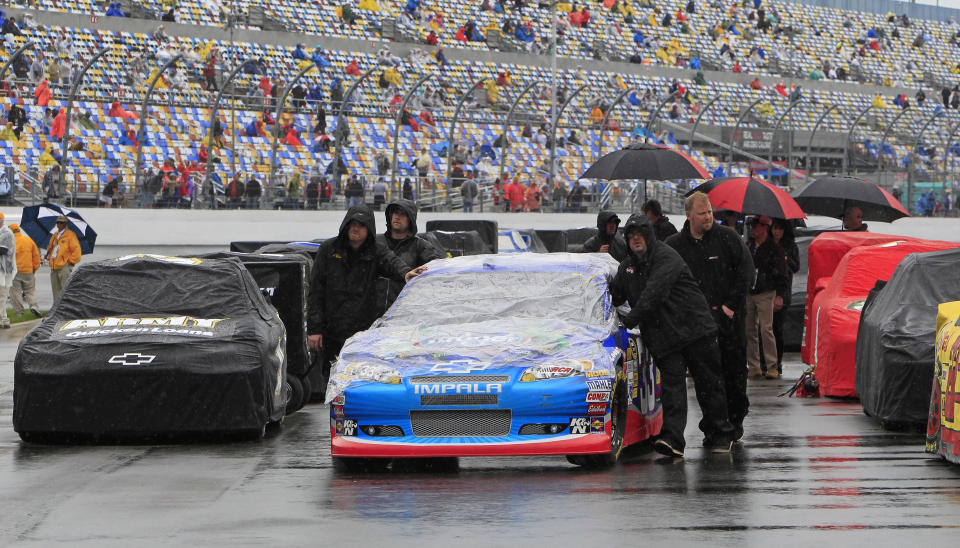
x: 496, y: 355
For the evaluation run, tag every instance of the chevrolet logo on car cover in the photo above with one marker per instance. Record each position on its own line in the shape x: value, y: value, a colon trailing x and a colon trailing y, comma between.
x: 131, y: 358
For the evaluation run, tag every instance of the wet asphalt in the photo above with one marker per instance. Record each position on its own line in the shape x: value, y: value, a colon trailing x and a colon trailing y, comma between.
x: 807, y: 471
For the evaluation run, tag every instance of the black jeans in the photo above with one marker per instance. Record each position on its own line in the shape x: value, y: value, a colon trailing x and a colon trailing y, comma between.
x: 778, y: 317
x: 732, y: 343
x: 701, y: 357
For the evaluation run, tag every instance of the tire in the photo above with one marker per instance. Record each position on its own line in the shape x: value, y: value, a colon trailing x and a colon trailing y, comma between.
x: 618, y: 413
x: 296, y: 395
x: 356, y: 465
x: 307, y: 391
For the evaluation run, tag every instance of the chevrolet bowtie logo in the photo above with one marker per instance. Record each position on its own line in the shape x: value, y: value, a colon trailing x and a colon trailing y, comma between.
x: 131, y: 358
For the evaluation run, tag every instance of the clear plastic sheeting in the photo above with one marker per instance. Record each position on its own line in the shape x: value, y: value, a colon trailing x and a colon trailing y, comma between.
x: 472, y: 314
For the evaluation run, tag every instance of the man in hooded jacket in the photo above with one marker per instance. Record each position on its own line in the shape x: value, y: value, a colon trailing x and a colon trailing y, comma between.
x: 401, y: 238
x: 607, y: 240
x: 721, y: 263
x: 677, y: 328
x: 342, y: 299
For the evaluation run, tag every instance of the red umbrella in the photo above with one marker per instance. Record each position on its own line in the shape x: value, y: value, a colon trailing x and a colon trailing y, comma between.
x: 750, y: 196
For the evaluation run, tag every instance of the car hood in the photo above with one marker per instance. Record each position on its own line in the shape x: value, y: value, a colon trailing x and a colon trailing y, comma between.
x: 472, y: 348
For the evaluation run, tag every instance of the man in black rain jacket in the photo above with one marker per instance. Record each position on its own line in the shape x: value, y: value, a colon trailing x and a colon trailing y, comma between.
x: 342, y: 298
x: 723, y: 267
x: 401, y: 238
x: 677, y: 327
x: 607, y: 240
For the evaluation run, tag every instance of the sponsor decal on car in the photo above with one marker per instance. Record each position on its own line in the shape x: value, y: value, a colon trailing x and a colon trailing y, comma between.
x: 144, y: 325
x: 472, y: 341
x: 597, y: 409
x: 579, y: 425
x: 131, y: 358
x: 346, y: 427
x: 600, y: 385
x: 458, y: 388
x: 337, y: 411
x: 598, y: 373
x: 339, y: 400
x: 459, y: 366
x: 597, y: 426
x: 598, y: 397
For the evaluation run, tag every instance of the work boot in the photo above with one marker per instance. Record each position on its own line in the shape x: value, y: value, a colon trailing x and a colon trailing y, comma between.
x: 36, y: 312
x: 664, y: 447
x: 722, y: 447
x: 754, y: 373
x: 772, y: 373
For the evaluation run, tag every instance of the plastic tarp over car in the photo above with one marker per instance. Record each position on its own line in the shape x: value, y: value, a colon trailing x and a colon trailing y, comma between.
x: 471, y: 313
x: 823, y: 256
x: 836, y: 309
x: 943, y: 425
x: 148, y: 345
x: 895, y: 343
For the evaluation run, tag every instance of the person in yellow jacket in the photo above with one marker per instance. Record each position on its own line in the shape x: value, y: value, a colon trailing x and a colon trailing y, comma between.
x: 63, y: 253
x: 24, y: 283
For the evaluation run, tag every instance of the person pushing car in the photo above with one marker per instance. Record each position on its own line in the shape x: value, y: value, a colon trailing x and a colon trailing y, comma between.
x: 677, y: 327
x: 342, y: 298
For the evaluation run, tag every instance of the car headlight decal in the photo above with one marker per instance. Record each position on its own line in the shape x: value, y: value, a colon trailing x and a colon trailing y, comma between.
x: 559, y: 370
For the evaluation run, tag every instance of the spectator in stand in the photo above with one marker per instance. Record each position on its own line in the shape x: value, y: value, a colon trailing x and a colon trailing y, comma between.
x: 42, y: 94
x: 469, y: 192
x: 312, y: 193
x: 319, y: 57
x: 354, y: 192
x: 380, y: 193
x: 114, y: 10
x: 16, y: 117
x: 298, y: 53
x: 532, y: 197
x: 117, y: 110
x: 59, y: 125
x: 755, y: 84
x: 252, y: 192
x: 10, y: 28
x: 513, y: 194
x: 347, y: 15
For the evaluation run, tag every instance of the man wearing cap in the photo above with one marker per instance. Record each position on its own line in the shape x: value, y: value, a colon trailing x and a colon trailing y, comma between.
x: 63, y: 253
x: 8, y: 269
x: 607, y: 240
x: 766, y: 296
x: 24, y: 286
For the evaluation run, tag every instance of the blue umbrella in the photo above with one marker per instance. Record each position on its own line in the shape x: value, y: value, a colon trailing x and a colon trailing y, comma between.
x: 39, y: 221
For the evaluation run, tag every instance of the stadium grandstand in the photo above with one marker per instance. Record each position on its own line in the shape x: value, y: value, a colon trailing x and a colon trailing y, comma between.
x: 483, y: 89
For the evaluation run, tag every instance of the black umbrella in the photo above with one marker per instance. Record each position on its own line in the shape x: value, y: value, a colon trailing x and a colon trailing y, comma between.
x: 831, y: 196
x: 646, y: 161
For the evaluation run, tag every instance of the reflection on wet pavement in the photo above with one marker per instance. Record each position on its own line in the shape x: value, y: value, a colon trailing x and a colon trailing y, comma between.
x: 808, y: 470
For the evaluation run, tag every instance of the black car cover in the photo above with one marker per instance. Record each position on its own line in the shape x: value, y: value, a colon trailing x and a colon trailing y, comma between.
x: 897, y: 335
x: 141, y: 346
x: 284, y: 279
x: 456, y: 244
x: 487, y: 230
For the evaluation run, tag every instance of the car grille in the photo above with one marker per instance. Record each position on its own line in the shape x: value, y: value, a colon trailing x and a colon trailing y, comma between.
x: 459, y: 399
x: 433, y: 379
x: 460, y: 422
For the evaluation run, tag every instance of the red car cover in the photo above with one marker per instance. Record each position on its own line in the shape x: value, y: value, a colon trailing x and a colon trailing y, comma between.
x: 836, y: 309
x: 824, y: 255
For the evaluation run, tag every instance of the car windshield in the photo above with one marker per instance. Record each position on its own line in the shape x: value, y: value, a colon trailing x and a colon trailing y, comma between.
x: 459, y: 298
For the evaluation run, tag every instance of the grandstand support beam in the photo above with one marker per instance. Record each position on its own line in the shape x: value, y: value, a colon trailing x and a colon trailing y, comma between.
x: 396, y: 129
x: 947, y: 167
x: 883, y: 141
x: 276, y: 125
x: 74, y: 89
x: 142, y: 132
x: 208, y: 169
x: 736, y: 127
x: 846, y: 143
x: 816, y: 127
x: 696, y: 123
x: 13, y: 56
x: 646, y: 130
x: 553, y: 133
x: 773, y: 141
x: 506, y: 125
x: 606, y: 117
x: 453, y: 127
x: 338, y: 143
x: 911, y: 154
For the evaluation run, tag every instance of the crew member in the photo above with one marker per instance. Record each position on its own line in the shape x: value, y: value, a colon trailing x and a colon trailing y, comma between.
x: 401, y: 238
x: 8, y: 269
x: 677, y: 327
x: 853, y: 219
x: 766, y: 297
x: 607, y: 240
x: 722, y: 265
x: 342, y: 299
x: 63, y: 253
x: 661, y: 224
x: 24, y: 283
